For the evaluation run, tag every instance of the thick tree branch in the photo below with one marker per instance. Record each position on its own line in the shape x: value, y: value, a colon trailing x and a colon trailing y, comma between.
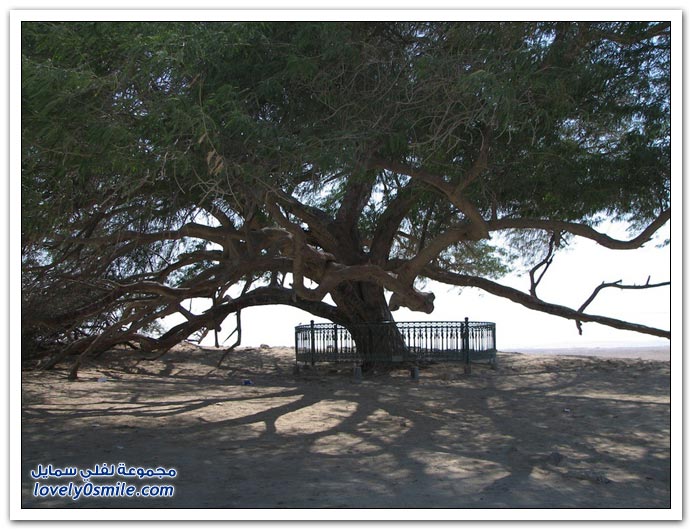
x: 456, y: 197
x: 356, y: 196
x: 334, y: 274
x: 582, y: 230
x: 317, y: 220
x: 213, y: 317
x: 617, y: 284
x: 536, y: 304
x: 412, y: 268
x: 389, y: 221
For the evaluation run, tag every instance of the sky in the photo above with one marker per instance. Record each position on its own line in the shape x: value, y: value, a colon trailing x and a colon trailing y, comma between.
x: 574, y: 274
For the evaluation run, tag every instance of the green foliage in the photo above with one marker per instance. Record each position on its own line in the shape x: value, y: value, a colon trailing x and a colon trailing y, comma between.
x: 111, y: 104
x: 135, y: 126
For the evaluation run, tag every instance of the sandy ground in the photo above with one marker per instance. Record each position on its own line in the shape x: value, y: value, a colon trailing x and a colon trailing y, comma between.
x: 541, y: 431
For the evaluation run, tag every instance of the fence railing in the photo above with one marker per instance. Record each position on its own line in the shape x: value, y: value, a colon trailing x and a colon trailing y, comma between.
x: 463, y: 341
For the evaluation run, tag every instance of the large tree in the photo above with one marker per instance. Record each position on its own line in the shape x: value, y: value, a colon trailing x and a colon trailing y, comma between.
x: 278, y: 163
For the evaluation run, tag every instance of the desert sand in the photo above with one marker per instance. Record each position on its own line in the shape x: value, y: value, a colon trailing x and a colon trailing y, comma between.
x: 540, y: 431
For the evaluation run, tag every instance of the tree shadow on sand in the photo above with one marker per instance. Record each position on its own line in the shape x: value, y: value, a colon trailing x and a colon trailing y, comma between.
x: 517, y: 437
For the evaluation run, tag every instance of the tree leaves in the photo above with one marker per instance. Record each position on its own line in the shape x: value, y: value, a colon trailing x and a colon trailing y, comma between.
x: 140, y: 126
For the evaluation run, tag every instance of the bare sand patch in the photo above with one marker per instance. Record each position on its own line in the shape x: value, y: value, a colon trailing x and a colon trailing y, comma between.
x: 541, y: 431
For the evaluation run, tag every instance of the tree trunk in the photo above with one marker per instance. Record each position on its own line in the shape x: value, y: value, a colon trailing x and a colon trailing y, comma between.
x: 371, y: 324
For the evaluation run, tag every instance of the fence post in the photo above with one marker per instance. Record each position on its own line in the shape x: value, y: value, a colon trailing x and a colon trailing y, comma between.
x: 467, y: 352
x: 336, y: 342
x: 312, y: 342
x: 297, y: 345
x: 494, y: 335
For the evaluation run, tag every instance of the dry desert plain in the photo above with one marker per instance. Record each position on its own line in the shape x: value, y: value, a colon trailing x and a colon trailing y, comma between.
x: 541, y: 431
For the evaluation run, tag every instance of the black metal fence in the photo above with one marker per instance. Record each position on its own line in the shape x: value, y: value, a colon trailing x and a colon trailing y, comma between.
x: 396, y: 342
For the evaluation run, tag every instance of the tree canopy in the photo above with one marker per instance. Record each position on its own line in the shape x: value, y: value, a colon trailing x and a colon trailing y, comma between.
x: 281, y: 162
